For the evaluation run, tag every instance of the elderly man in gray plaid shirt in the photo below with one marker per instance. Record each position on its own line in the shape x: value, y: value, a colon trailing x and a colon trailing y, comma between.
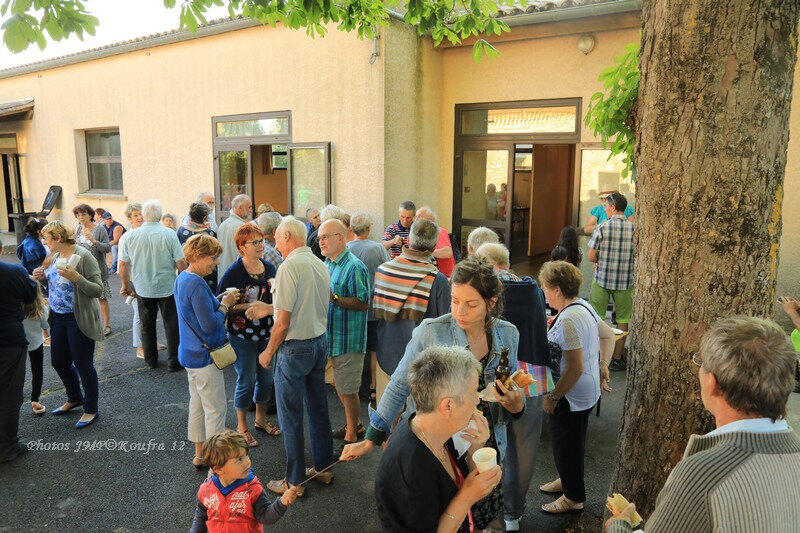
x: 611, y: 249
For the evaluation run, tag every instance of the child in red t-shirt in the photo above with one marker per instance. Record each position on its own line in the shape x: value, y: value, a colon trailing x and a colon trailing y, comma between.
x: 232, y: 498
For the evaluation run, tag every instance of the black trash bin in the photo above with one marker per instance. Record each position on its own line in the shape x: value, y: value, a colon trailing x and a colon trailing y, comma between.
x: 20, y: 219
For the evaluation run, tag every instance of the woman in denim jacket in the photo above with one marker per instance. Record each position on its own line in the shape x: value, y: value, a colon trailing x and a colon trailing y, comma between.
x: 476, y: 302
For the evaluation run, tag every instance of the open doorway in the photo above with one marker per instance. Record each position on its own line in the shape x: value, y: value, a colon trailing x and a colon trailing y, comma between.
x: 270, y: 177
x: 541, y: 206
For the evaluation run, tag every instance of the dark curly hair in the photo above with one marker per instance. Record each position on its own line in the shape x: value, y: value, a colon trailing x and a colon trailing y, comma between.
x: 479, y: 274
x: 198, y: 212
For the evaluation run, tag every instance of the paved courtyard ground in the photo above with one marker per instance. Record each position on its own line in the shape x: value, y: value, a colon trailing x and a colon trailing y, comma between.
x: 142, y: 478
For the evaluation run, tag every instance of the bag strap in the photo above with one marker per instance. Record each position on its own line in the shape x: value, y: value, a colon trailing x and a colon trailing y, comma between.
x: 567, y: 307
x: 206, y: 346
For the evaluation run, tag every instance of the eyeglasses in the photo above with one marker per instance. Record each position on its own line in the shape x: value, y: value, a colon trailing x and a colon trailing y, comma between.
x: 326, y: 237
x: 255, y: 243
x: 697, y: 359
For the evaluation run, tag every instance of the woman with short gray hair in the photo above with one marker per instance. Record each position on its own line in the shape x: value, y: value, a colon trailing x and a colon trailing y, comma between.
x: 423, y: 483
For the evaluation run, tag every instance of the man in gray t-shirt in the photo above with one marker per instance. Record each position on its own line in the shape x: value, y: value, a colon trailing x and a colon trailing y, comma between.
x: 372, y: 254
x: 299, y: 341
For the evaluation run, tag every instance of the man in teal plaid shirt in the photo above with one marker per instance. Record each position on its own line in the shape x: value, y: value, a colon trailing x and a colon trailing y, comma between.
x: 347, y: 322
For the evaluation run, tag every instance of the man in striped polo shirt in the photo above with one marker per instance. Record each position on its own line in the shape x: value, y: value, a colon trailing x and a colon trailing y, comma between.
x: 396, y: 235
x: 745, y: 475
x: 611, y: 248
x: 347, y: 321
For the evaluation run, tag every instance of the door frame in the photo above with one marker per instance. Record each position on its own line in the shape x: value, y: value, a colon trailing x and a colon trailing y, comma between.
x: 230, y: 147
x: 492, y: 139
x: 458, y: 186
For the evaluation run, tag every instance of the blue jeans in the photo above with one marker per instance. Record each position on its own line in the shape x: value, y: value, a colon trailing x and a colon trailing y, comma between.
x: 72, y: 356
x: 249, y: 374
x: 114, y: 255
x: 523, y: 444
x: 299, y: 377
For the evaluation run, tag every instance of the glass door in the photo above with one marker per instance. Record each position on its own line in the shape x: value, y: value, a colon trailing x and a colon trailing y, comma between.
x: 232, y: 176
x: 483, y: 180
x: 309, y: 176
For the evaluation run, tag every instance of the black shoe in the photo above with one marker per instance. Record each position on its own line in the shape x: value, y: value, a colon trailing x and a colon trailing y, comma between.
x: 617, y: 365
x: 174, y: 368
x: 21, y: 449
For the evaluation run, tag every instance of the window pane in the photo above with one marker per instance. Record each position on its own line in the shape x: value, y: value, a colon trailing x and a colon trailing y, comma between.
x: 521, y: 120
x: 309, y: 178
x: 485, y: 177
x: 599, y: 174
x: 250, y: 128
x: 105, y: 176
x: 279, y: 161
x: 104, y: 143
x: 8, y: 142
x: 232, y: 176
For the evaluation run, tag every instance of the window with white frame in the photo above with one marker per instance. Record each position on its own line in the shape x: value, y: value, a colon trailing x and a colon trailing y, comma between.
x: 104, y: 160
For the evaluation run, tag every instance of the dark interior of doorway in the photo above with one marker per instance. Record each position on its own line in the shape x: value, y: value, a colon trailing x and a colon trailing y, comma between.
x: 541, y: 204
x: 270, y: 183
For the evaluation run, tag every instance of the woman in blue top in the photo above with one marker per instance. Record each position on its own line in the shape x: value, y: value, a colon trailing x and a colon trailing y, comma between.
x: 251, y: 276
x: 75, y: 320
x: 31, y: 251
x: 476, y: 293
x: 200, y: 313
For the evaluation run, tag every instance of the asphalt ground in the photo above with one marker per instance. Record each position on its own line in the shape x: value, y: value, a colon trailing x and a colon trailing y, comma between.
x: 131, y: 470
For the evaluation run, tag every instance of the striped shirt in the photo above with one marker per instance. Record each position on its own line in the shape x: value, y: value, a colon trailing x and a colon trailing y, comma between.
x: 613, y: 241
x: 391, y: 232
x: 347, y: 328
x: 738, y: 481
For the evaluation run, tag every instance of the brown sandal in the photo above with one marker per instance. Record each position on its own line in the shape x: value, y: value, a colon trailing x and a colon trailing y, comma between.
x: 269, y: 428
x: 552, y: 487
x: 562, y: 505
x: 249, y: 438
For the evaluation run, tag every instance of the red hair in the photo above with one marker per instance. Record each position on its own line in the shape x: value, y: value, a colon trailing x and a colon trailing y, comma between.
x: 248, y: 232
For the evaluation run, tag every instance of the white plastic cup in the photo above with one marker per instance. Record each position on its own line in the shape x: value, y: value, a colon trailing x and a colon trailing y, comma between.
x: 485, y: 459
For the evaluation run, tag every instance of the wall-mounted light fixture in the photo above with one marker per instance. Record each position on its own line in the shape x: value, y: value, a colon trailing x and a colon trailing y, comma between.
x: 586, y: 43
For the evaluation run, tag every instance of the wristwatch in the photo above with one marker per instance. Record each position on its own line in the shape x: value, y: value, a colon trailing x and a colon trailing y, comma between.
x: 552, y: 398
x: 335, y: 299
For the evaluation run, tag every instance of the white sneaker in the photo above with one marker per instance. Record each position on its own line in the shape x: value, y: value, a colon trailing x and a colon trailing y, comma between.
x: 512, y: 525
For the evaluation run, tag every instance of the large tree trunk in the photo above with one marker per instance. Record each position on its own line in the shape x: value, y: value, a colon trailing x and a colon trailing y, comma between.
x: 713, y: 119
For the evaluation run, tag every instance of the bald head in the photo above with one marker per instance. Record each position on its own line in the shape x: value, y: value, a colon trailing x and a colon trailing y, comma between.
x: 332, y: 237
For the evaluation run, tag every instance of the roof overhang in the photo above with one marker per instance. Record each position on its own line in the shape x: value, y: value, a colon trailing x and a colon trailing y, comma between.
x: 16, y: 110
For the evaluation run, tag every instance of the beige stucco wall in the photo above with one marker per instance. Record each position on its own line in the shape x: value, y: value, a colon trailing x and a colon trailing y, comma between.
x: 162, y: 99
x: 413, y: 95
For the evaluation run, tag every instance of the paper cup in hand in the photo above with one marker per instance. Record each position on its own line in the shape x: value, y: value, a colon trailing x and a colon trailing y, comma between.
x: 129, y: 299
x: 485, y: 459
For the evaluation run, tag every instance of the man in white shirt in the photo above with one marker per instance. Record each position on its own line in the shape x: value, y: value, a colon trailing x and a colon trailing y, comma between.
x: 241, y: 207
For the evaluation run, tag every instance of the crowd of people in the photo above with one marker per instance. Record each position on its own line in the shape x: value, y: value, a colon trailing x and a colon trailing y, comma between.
x: 431, y: 337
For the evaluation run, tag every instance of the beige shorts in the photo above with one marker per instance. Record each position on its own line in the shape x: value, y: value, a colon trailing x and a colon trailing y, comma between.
x: 347, y: 370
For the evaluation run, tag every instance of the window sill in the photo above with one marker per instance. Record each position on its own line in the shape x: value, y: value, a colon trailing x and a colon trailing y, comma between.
x: 102, y: 195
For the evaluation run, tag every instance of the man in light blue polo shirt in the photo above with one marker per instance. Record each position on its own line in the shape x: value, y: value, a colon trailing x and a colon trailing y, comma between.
x: 148, y: 261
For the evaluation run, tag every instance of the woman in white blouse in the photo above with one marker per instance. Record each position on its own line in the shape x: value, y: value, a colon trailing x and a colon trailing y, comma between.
x: 586, y: 344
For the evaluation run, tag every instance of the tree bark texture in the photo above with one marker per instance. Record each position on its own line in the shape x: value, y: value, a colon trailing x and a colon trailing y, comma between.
x: 713, y: 118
